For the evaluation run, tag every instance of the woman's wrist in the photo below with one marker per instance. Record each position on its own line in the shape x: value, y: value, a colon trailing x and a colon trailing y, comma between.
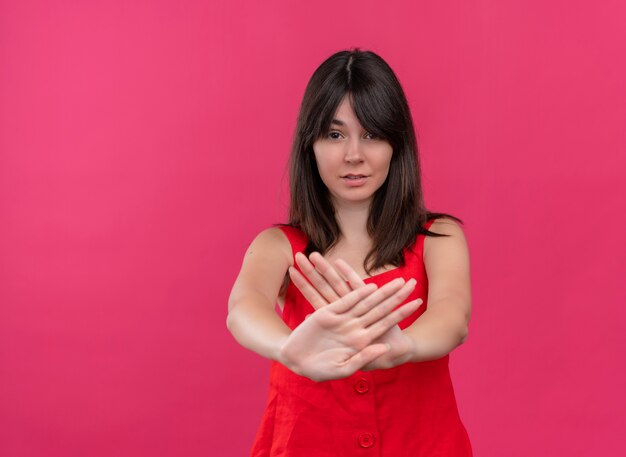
x: 413, y: 350
x: 280, y: 355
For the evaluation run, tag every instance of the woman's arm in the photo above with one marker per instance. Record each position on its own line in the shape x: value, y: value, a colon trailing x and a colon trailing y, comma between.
x: 444, y: 324
x: 252, y: 317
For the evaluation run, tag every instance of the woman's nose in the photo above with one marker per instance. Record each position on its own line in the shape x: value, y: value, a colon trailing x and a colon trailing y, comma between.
x: 353, y: 152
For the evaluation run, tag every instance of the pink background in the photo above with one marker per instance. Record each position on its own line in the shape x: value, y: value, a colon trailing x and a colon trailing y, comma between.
x: 143, y: 145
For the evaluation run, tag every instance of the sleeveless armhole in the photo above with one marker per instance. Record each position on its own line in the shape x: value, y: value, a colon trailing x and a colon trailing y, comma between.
x: 414, y: 268
x: 429, y: 223
x: 297, y: 240
x: 418, y: 247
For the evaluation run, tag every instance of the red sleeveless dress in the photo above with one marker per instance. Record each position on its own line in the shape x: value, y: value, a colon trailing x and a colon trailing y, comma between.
x: 409, y: 410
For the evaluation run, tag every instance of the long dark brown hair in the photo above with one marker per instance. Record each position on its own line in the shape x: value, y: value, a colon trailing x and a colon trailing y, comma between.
x: 397, y: 213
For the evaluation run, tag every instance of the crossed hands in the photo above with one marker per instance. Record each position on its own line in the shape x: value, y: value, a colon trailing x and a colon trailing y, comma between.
x: 354, y: 326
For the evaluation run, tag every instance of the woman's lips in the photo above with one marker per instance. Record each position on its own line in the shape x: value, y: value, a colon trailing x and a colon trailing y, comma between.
x: 354, y: 180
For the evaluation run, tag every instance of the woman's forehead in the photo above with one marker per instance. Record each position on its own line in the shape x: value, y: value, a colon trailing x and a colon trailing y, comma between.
x: 345, y: 115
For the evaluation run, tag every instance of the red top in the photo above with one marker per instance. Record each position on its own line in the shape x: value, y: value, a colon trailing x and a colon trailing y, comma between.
x: 409, y: 410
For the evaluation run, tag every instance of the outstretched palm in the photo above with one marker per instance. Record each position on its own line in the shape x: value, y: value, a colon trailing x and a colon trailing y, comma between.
x: 325, y: 285
x: 341, y: 337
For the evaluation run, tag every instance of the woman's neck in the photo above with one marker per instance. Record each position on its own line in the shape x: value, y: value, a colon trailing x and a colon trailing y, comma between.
x: 354, y: 242
x: 352, y: 221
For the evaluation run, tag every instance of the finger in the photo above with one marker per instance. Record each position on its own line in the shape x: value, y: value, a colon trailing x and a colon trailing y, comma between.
x: 333, y: 278
x: 347, y: 302
x: 363, y: 357
x: 351, y: 276
x: 316, y: 279
x: 375, y: 299
x: 371, y: 366
x: 309, y: 292
x: 388, y: 305
x: 383, y: 325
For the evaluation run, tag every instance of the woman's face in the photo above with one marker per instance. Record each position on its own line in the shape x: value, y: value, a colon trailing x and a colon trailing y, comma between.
x: 352, y: 163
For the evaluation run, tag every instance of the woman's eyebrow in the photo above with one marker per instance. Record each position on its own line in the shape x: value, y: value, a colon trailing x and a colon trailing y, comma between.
x: 337, y: 122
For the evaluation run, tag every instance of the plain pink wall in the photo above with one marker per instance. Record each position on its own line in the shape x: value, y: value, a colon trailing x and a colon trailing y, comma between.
x: 143, y: 144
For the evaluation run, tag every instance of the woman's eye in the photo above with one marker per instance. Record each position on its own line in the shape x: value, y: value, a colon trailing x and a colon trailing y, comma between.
x: 334, y: 135
x: 371, y: 136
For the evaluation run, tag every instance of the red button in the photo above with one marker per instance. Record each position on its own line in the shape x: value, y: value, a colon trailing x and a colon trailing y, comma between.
x: 362, y: 386
x: 366, y: 440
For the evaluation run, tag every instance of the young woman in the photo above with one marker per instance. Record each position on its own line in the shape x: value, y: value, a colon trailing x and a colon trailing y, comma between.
x: 373, y: 290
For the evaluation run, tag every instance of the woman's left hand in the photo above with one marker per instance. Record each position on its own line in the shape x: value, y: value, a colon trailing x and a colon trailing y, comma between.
x: 321, y: 284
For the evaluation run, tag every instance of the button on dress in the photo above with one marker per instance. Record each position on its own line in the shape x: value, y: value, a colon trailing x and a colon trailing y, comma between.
x: 409, y: 410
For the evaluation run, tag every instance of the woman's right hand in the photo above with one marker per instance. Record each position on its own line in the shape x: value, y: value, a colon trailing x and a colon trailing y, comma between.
x: 339, y: 338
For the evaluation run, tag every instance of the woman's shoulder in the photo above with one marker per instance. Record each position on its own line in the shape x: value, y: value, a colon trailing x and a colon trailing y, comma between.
x: 452, y: 242
x: 297, y: 239
x: 283, y: 240
x: 269, y: 250
x: 289, y: 231
x: 272, y: 238
x: 445, y: 225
